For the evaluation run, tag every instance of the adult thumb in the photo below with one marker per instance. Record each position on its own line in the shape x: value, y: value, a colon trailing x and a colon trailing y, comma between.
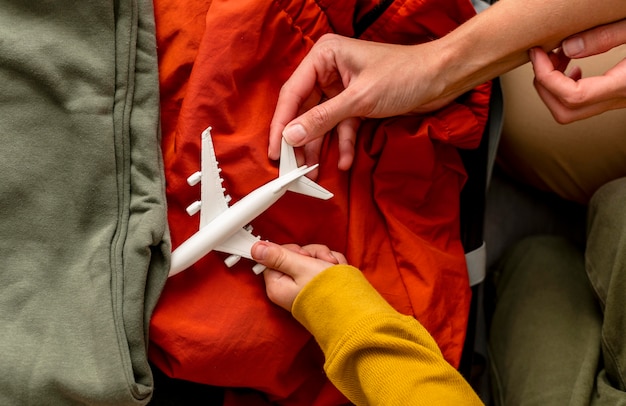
x: 596, y: 40
x: 317, y: 121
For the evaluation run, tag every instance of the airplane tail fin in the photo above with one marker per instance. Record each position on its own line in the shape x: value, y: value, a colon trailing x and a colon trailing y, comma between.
x: 302, y: 184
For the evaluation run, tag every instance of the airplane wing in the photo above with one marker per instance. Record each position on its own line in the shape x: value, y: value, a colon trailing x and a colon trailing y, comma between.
x: 212, y: 198
x: 213, y: 202
x: 239, y: 244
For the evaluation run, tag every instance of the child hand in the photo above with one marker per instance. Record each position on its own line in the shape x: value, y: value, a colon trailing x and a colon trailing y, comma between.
x: 291, y: 267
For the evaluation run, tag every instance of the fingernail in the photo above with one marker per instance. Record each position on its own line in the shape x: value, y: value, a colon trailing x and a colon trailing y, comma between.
x: 573, y: 46
x: 294, y: 134
x: 259, y: 251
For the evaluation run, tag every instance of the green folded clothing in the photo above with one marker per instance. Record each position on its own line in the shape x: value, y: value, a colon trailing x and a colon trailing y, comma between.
x: 83, y: 230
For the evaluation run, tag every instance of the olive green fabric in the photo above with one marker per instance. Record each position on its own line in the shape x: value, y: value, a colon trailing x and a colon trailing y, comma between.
x: 83, y: 233
x: 605, y: 262
x: 558, y: 335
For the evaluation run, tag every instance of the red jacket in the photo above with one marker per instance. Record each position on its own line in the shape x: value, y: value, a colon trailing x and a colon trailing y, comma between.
x: 395, y: 214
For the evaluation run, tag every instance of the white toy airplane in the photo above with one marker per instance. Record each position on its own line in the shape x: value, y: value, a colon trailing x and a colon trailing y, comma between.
x: 225, y: 228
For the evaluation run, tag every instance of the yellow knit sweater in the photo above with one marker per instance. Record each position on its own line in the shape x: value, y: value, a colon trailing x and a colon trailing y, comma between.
x: 375, y: 355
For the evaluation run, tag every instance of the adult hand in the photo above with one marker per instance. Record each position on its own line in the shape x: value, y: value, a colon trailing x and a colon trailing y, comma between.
x: 342, y: 80
x: 570, y: 97
x: 291, y: 267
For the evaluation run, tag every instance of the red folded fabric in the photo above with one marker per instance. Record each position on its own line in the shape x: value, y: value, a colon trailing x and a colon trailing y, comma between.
x: 395, y: 214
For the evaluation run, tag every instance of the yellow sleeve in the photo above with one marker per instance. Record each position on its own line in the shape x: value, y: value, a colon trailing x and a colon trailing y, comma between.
x: 375, y: 355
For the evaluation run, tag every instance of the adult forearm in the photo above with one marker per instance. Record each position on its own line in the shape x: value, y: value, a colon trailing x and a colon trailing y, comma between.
x: 362, y: 79
x: 498, y: 39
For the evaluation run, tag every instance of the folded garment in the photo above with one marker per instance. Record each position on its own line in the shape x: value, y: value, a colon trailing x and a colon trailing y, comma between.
x: 83, y: 227
x: 395, y: 213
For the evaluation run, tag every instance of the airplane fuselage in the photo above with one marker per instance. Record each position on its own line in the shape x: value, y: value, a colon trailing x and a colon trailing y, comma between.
x: 229, y: 222
x: 225, y: 228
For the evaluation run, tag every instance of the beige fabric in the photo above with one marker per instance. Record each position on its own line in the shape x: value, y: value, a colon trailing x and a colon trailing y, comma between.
x: 571, y: 160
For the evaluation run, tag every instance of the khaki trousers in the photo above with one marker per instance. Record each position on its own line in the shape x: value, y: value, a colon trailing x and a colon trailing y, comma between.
x: 558, y: 334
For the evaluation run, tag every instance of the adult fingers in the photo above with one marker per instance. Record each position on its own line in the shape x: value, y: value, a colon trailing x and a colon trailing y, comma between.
x: 589, y: 95
x: 312, y: 152
x: 293, y: 98
x: 346, y: 133
x: 546, y: 75
x: 565, y: 113
x: 559, y: 60
x: 315, y: 80
x: 596, y: 40
x: 320, y: 119
x: 298, y: 93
